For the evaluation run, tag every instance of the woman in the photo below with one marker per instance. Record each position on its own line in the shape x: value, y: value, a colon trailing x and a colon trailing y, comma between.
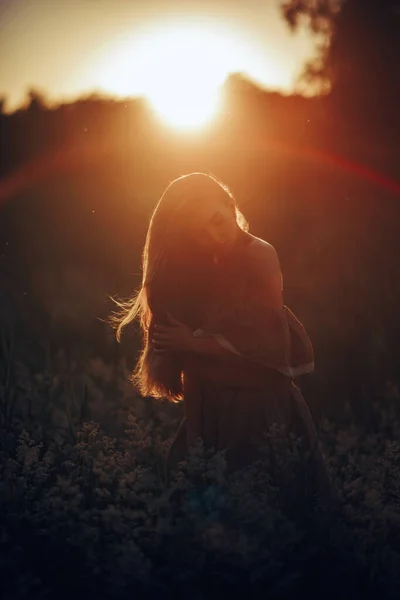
x: 215, y: 330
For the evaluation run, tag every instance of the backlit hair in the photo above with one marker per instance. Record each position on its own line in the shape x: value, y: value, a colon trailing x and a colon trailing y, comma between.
x: 176, y: 277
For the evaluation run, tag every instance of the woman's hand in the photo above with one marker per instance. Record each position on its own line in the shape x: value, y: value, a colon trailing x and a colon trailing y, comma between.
x: 176, y: 337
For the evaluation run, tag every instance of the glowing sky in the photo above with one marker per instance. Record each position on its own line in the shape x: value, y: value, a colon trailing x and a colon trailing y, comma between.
x: 70, y: 47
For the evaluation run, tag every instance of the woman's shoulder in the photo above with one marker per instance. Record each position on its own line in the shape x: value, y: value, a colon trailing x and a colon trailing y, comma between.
x: 261, y: 251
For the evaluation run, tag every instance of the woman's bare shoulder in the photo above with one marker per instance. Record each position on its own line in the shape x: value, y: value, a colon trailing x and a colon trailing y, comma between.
x: 262, y: 251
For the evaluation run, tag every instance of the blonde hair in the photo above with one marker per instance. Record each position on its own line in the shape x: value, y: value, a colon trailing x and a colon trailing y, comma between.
x: 166, y: 280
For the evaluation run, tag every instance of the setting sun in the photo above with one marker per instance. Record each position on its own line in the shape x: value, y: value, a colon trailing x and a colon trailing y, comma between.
x: 180, y: 70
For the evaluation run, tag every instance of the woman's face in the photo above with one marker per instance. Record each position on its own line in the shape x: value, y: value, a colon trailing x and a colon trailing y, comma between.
x: 214, y: 225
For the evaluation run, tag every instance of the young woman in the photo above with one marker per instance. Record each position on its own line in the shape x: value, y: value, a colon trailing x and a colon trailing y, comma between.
x: 215, y: 330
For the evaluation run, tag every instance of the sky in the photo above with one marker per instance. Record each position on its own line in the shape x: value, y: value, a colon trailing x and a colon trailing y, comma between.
x: 67, y: 48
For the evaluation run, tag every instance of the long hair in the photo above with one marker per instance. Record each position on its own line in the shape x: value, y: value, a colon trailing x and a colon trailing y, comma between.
x: 177, y: 277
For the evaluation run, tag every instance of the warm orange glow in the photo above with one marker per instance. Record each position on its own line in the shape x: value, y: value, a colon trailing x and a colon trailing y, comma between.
x: 180, y: 69
x: 181, y: 75
x: 123, y: 48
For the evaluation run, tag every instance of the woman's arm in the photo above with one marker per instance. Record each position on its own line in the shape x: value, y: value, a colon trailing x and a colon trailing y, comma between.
x: 178, y: 337
x: 277, y: 338
x: 214, y: 345
x: 272, y: 336
x: 266, y: 271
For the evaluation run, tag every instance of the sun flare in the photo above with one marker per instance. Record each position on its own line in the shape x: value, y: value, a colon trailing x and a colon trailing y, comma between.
x: 180, y: 69
x: 184, y: 91
x: 181, y: 73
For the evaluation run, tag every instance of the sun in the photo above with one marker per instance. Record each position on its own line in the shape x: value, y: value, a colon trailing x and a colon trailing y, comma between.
x: 181, y: 71
x: 179, y: 68
x: 183, y: 89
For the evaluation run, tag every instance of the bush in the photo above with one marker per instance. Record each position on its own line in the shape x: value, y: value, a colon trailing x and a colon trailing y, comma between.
x: 85, y: 507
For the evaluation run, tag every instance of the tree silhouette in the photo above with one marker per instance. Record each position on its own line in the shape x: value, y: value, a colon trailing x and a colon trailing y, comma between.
x: 359, y: 55
x: 36, y: 100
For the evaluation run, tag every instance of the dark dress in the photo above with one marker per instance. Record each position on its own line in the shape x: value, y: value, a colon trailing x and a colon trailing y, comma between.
x: 230, y: 403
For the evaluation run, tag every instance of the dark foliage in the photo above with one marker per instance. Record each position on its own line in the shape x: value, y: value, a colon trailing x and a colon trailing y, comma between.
x: 85, y: 509
x: 358, y: 58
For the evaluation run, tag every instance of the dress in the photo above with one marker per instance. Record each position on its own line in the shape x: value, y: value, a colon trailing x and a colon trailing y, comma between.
x: 231, y: 402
